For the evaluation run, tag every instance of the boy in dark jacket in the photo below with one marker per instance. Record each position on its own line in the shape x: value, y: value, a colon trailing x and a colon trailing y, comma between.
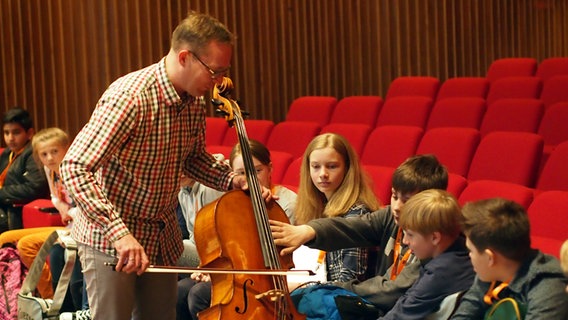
x: 21, y: 179
x: 498, y: 237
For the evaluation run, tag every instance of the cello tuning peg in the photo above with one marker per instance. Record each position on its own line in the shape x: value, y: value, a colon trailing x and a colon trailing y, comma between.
x: 216, y: 103
x: 219, y: 112
x: 245, y: 114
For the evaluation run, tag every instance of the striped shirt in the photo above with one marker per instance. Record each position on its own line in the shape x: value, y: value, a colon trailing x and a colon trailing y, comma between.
x: 123, y: 169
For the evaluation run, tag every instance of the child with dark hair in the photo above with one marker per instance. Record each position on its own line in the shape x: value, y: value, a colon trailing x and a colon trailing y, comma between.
x: 21, y: 180
x: 498, y: 237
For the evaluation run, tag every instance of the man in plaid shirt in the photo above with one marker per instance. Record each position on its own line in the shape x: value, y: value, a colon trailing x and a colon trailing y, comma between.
x: 124, y: 166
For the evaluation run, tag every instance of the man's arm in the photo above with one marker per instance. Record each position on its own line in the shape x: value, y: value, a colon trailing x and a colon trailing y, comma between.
x: 94, y: 145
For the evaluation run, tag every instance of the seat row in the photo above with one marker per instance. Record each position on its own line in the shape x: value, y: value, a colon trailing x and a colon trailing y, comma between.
x: 516, y: 157
x: 404, y: 95
x: 527, y: 72
x: 492, y: 160
x: 510, y: 114
x: 517, y: 78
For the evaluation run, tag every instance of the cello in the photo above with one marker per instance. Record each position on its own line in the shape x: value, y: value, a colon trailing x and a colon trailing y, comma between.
x: 233, y: 233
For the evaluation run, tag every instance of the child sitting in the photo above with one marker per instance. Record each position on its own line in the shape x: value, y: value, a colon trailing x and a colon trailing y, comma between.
x: 498, y: 237
x: 21, y: 180
x: 431, y: 221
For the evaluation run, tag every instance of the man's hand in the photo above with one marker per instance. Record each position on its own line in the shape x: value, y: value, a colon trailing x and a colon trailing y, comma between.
x: 289, y: 236
x: 200, y: 277
x: 240, y: 182
x: 131, y: 255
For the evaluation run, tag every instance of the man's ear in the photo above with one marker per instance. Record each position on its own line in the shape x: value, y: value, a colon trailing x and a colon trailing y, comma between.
x: 183, y: 57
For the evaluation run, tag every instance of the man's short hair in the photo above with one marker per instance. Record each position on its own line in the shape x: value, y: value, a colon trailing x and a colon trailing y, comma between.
x: 197, y: 30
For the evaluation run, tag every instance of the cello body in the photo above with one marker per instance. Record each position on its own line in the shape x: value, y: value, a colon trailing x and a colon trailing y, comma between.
x: 228, y: 239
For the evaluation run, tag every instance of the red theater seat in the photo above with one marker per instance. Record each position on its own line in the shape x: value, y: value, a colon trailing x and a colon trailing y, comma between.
x: 38, y: 213
x: 389, y: 146
x: 457, y: 112
x: 454, y: 147
x: 486, y: 189
x: 316, y: 109
x: 507, y: 156
x: 511, y: 67
x: 463, y: 87
x: 547, y: 215
x: 357, y: 110
x: 405, y: 111
x: 413, y: 86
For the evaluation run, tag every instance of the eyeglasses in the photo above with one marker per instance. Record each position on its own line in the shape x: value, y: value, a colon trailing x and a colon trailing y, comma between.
x: 214, y: 74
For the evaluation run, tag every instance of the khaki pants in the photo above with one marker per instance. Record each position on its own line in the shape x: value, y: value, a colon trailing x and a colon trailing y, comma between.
x: 122, y: 296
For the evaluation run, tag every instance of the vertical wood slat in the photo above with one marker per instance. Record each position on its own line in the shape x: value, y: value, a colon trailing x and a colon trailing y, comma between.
x: 58, y: 56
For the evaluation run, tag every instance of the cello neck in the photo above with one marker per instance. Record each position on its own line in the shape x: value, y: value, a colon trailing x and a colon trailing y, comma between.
x: 234, y: 115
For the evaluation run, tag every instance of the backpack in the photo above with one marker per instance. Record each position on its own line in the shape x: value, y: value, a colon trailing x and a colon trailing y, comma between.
x: 506, y: 309
x: 327, y: 302
x: 12, y: 273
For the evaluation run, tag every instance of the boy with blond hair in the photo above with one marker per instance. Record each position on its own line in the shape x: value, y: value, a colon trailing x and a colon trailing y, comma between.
x: 431, y: 222
x: 498, y: 237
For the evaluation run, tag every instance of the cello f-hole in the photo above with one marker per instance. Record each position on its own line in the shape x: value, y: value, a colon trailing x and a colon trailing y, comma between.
x: 245, y: 299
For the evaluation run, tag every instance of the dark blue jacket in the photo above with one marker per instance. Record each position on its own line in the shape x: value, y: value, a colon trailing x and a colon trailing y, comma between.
x: 440, y: 277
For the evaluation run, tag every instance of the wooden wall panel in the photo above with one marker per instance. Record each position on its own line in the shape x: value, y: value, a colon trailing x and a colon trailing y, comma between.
x: 58, y: 56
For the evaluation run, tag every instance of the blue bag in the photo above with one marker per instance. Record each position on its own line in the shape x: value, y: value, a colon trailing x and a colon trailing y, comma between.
x: 318, y: 302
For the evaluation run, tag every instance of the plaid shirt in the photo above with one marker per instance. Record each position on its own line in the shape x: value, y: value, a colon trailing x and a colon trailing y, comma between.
x: 123, y: 168
x: 348, y: 264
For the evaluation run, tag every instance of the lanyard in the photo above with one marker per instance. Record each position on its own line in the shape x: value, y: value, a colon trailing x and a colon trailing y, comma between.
x: 398, y: 263
x: 321, y: 257
x: 493, y: 293
x: 12, y: 157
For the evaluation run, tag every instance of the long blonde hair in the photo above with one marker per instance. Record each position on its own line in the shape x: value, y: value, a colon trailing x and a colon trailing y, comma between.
x: 355, y: 187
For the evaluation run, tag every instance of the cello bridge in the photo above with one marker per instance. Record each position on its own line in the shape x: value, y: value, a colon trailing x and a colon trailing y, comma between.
x: 272, y: 295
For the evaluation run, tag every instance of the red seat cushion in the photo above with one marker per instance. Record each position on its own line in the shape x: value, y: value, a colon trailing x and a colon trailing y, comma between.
x: 33, y: 217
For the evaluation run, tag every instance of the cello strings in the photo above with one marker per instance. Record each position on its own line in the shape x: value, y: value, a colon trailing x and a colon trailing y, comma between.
x: 269, y: 248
